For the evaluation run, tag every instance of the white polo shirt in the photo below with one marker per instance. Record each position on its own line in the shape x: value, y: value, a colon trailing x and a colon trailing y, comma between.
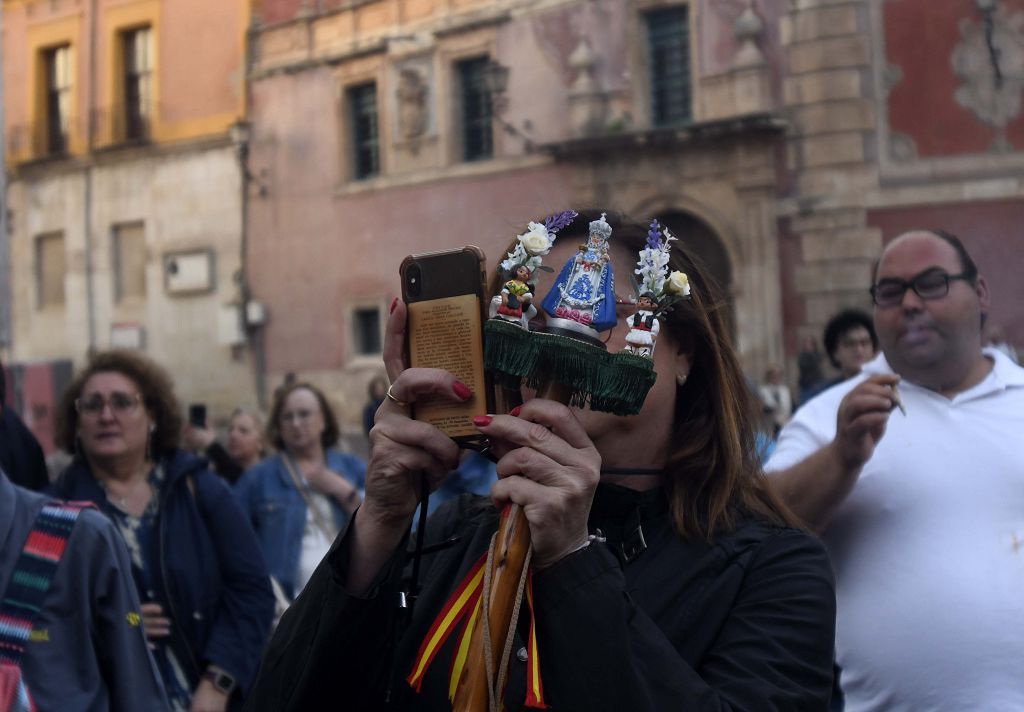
x: 928, y: 548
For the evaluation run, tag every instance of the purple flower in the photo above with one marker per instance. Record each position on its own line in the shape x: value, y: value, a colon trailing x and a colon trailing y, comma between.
x: 654, y: 236
x: 556, y: 222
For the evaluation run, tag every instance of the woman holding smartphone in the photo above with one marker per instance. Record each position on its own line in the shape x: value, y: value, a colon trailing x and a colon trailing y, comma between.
x: 666, y: 575
x: 245, y: 447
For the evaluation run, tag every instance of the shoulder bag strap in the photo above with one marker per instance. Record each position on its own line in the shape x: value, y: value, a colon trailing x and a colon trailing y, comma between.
x: 33, y: 573
x: 300, y: 485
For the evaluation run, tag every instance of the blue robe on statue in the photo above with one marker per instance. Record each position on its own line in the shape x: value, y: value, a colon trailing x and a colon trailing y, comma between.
x: 576, y: 289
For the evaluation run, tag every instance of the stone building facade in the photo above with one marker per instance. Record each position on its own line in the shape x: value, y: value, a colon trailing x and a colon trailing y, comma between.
x: 786, y: 140
x: 573, y: 126
x: 815, y: 130
x: 125, y: 189
x: 903, y: 114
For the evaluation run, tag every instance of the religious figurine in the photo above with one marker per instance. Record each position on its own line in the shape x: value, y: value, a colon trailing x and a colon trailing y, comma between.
x: 583, y: 297
x: 516, y: 297
x: 643, y: 327
x: 659, y: 291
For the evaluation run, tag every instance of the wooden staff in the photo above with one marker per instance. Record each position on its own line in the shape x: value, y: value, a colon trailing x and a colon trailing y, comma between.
x: 510, y: 549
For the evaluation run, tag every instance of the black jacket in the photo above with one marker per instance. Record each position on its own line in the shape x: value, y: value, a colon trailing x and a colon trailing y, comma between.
x: 745, y: 622
x: 21, y: 456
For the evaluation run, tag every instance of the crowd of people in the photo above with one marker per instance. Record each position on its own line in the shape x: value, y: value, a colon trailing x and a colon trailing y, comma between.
x: 871, y: 564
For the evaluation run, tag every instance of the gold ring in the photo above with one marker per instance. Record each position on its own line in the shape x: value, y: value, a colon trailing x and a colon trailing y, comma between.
x: 392, y: 397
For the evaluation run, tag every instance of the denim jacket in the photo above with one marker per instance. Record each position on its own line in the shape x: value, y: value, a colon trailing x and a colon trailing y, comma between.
x: 277, y: 510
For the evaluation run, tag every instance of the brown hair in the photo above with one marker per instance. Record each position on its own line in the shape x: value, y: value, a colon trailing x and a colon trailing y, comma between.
x: 713, y: 475
x: 155, y: 386
x: 328, y: 438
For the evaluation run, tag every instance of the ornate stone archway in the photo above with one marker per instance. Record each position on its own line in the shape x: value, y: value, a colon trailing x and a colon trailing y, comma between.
x: 742, y: 254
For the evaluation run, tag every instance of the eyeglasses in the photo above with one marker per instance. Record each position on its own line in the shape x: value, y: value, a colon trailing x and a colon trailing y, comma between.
x: 851, y: 342
x: 120, y: 404
x: 930, y: 284
x: 297, y: 416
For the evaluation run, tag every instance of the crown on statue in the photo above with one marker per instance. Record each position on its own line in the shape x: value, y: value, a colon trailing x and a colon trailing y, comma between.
x: 601, y: 227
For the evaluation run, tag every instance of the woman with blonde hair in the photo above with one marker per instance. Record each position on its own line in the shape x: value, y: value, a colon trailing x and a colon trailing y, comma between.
x: 246, y: 445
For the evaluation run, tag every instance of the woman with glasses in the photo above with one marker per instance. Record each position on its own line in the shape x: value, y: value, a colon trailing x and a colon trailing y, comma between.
x: 299, y: 499
x: 206, y: 601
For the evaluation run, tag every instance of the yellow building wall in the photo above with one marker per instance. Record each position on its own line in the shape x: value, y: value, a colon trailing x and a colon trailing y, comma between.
x: 198, y: 69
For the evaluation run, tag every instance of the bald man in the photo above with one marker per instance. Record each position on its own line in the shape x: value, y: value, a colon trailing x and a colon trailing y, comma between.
x: 922, y: 507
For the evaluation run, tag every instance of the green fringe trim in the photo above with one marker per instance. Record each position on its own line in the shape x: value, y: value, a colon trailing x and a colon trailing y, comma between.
x: 510, y: 353
x: 574, y: 364
x: 612, y: 383
x: 625, y: 380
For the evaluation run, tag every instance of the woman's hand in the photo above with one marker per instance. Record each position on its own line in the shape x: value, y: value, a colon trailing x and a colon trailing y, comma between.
x: 197, y: 438
x: 154, y: 624
x: 332, y: 484
x: 550, y: 468
x: 400, y: 449
x: 208, y: 698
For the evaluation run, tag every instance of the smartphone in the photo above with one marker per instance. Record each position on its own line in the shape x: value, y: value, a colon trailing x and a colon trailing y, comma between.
x: 197, y: 415
x: 446, y: 297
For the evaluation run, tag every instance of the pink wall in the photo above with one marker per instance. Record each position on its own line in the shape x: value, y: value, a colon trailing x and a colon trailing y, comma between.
x: 314, y: 253
x: 33, y: 391
x: 274, y: 11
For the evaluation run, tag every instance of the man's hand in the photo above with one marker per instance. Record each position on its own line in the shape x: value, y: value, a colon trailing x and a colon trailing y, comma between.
x: 861, y: 420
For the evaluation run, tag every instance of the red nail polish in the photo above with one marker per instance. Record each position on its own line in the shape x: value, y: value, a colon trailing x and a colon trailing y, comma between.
x: 516, y: 411
x: 482, y: 420
x: 394, y: 303
x: 462, y: 390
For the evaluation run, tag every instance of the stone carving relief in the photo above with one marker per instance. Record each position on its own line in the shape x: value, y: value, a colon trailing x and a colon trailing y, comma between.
x: 989, y: 61
x: 902, y: 147
x: 412, y: 97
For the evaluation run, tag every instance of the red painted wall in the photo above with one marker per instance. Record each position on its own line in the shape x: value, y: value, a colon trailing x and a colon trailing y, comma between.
x: 920, y: 36
x: 993, y: 233
x: 33, y: 391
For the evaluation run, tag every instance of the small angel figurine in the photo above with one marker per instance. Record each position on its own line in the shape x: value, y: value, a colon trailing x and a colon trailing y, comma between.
x: 659, y: 291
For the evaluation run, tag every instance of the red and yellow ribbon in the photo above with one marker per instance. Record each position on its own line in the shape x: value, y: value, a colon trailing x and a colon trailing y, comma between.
x: 534, y: 688
x: 467, y: 599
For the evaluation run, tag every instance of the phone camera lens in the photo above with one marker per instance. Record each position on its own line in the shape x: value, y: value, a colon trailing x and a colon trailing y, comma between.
x: 412, y: 278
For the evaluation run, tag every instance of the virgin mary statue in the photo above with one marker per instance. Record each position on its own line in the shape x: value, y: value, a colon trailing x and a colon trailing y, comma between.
x: 583, y: 297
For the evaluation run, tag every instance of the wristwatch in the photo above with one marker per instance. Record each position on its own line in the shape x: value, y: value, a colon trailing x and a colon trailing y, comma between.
x: 220, y: 679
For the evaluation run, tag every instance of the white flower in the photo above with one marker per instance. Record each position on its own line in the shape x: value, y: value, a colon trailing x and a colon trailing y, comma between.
x: 678, y: 283
x: 536, y: 240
